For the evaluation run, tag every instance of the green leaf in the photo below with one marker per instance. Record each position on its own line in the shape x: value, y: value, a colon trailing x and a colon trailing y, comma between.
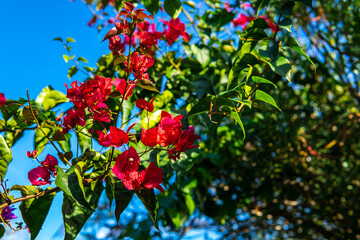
x: 237, y: 73
x: 72, y: 71
x: 81, y: 59
x: 58, y: 39
x: 291, y: 42
x: 263, y: 96
x: 65, y: 145
x: 258, y: 80
x: 28, y: 116
x: 110, y: 189
x: 281, y: 66
x: 2, y: 230
x: 202, y: 55
x: 5, y: 157
x: 50, y: 98
x: 22, y: 189
x: 148, y: 198
x: 35, y: 210
x: 67, y: 58
x: 152, y: 6
x: 260, y: 4
x: 69, y: 39
x: 122, y: 199
x: 286, y: 23
x: 235, y: 115
x: 201, y: 107
x: 287, y: 8
x: 119, y: 59
x: 40, y: 139
x: 8, y: 110
x: 84, y: 139
x: 190, y: 203
x: 72, y: 186
x: 146, y: 84
x: 173, y: 7
x: 190, y: 4
x: 75, y: 217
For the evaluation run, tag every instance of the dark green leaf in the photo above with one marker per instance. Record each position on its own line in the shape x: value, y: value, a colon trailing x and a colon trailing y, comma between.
x: 201, y: 107
x: 28, y: 116
x: 235, y: 115
x: 35, y: 210
x: 237, y: 74
x: 173, y: 7
x: 291, y: 42
x: 110, y: 189
x: 287, y: 8
x: 72, y: 186
x: 148, y: 198
x: 286, y: 23
x: 5, y: 157
x: 152, y: 6
x: 9, y: 109
x: 75, y: 217
x: 72, y: 71
x: 58, y: 39
x: 122, y: 198
x: 81, y: 59
x: 281, y: 66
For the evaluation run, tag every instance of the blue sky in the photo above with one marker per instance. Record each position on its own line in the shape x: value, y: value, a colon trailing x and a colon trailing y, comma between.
x: 32, y: 60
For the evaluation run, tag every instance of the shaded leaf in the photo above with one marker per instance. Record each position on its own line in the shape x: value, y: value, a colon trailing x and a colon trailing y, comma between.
x: 72, y: 186
x: 35, y: 210
x: 148, y: 198
x: 237, y: 74
x: 291, y: 42
x: 173, y: 7
x: 5, y: 157
x: 122, y: 199
x: 72, y: 71
x: 258, y: 80
x: 235, y: 115
x: 152, y: 6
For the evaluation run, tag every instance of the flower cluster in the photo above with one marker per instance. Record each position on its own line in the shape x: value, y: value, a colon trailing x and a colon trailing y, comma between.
x: 126, y: 168
x: 170, y: 133
x: 243, y: 19
x: 41, y: 175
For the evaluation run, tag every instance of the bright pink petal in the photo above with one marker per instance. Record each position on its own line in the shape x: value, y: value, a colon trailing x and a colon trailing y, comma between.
x: 126, y: 163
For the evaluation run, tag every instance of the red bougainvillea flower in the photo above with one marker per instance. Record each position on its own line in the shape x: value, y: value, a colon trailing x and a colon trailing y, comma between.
x: 49, y: 164
x: 242, y: 20
x: 148, y: 106
x: 7, y: 213
x: 169, y: 129
x: 2, y: 99
x: 147, y: 38
x: 184, y: 142
x: 115, y: 138
x: 73, y: 118
x: 126, y: 163
x: 120, y: 85
x: 139, y: 64
x: 126, y: 168
x: 271, y: 24
x: 116, y: 46
x: 174, y: 30
x: 148, y: 178
x: 41, y: 175
x: 149, y: 137
x: 31, y: 154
